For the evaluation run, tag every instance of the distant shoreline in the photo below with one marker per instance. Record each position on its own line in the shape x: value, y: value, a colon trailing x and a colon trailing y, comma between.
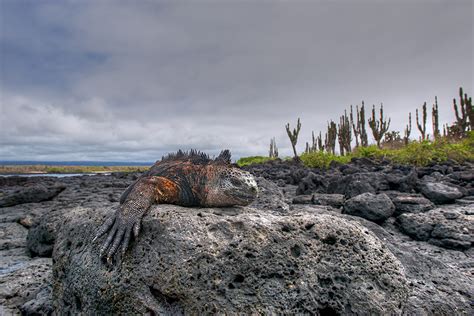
x: 67, y: 169
x: 73, y: 163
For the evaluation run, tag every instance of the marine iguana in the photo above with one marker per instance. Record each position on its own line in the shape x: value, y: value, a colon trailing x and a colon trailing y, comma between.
x: 183, y: 178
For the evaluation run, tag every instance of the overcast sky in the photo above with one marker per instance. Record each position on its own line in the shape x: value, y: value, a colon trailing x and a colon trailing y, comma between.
x: 133, y: 80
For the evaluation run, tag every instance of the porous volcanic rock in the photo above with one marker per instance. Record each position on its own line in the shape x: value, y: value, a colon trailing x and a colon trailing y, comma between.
x: 334, y: 200
x: 30, y: 194
x: 193, y: 261
x: 42, y: 234
x: 270, y: 197
x: 41, y: 303
x: 441, y: 280
x: 374, y: 207
x: 21, y: 281
x: 303, y: 199
x: 312, y: 183
x: 357, y: 183
x: 410, y: 203
x: 440, y: 193
x: 449, y: 228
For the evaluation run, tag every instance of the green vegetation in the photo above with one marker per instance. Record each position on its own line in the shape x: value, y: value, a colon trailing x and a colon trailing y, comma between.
x: 418, y: 153
x: 321, y: 159
x: 20, y: 169
x: 455, y: 143
x: 245, y: 161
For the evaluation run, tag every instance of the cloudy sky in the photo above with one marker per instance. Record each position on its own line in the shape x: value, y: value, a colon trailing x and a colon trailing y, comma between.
x: 132, y: 80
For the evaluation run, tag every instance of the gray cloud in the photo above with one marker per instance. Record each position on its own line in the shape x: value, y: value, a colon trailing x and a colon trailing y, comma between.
x: 134, y: 80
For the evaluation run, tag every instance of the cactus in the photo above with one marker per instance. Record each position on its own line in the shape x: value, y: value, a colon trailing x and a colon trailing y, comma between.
x: 435, y: 120
x: 330, y: 138
x: 359, y: 126
x: 364, y: 140
x: 319, y: 141
x: 273, y: 152
x: 378, y: 127
x: 406, y: 137
x: 293, y: 135
x: 356, y: 130
x: 469, y: 110
x: 464, y: 117
x: 422, y: 127
x: 311, y: 148
x: 344, y: 134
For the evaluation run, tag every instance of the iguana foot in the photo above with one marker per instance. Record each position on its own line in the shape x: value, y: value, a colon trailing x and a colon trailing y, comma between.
x: 119, y: 228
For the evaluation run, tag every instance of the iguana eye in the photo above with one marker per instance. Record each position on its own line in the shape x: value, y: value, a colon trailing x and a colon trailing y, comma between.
x: 235, y: 182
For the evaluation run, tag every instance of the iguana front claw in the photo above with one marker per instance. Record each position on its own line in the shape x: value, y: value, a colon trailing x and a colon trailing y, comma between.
x: 119, y: 228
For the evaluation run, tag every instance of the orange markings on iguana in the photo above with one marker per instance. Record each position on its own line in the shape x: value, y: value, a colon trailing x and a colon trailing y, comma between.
x: 166, y: 190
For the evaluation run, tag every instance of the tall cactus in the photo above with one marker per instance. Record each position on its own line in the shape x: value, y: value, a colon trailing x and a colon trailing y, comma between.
x: 344, y: 134
x: 435, y: 120
x: 356, y: 130
x: 378, y: 127
x: 464, y: 117
x: 319, y: 141
x: 330, y: 139
x: 364, y: 139
x: 273, y: 152
x: 422, y: 127
x: 359, y: 126
x: 293, y: 136
x: 406, y: 137
x: 313, y: 146
x: 469, y: 110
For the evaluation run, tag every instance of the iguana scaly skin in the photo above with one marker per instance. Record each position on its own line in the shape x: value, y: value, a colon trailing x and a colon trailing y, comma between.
x: 186, y: 179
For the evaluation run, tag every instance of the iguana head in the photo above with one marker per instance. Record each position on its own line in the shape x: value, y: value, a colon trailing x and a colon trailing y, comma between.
x: 227, y: 185
x: 230, y: 186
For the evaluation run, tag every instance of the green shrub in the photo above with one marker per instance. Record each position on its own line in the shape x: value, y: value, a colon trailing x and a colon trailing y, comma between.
x: 371, y: 151
x: 245, y: 161
x: 425, y: 152
x: 319, y: 159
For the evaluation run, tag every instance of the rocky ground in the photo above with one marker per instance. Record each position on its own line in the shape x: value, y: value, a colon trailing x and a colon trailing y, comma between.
x: 359, y: 238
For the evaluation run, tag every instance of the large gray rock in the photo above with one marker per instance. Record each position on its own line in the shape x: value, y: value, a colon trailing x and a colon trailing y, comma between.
x: 448, y: 228
x: 193, y: 261
x: 42, y: 234
x: 334, y: 200
x: 441, y: 280
x: 358, y: 183
x: 411, y: 203
x: 303, y: 199
x: 403, y: 181
x: 30, y: 194
x: 12, y: 235
x: 270, y: 197
x: 376, y: 208
x: 312, y: 183
x: 21, y: 281
x: 41, y: 303
x: 440, y: 193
